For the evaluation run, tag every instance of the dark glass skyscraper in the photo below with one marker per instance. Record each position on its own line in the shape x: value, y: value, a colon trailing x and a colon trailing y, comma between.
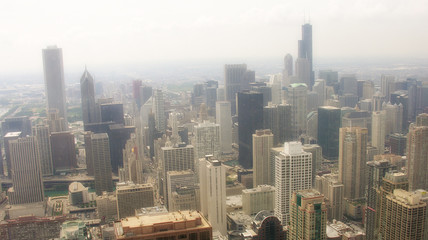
x: 328, y: 131
x: 305, y: 48
x: 89, y: 114
x: 250, y: 118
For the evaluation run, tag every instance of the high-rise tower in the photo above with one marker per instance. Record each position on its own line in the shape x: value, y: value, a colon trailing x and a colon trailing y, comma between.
x: 42, y: 134
x: 262, y: 169
x: 224, y: 119
x: 89, y: 113
x: 305, y: 49
x: 417, y: 154
x: 298, y: 98
x: 328, y: 131
x: 250, y: 118
x: 54, y: 80
x: 101, y: 160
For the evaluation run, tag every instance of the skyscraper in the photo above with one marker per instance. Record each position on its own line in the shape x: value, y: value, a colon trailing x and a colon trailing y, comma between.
x: 417, y: 154
x: 303, y: 72
x: 207, y: 139
x: 308, y: 215
x: 262, y: 143
x: 54, y: 80
x: 378, y: 131
x: 224, y: 119
x: 63, y: 150
x: 159, y: 110
x: 26, y: 172
x: 405, y: 216
x: 89, y: 113
x: 288, y: 66
x: 213, y: 193
x: 234, y: 82
x: 250, y: 118
x: 102, y: 165
x: 278, y: 119
x: 132, y: 196
x: 305, y: 49
x: 352, y: 161
x: 328, y: 131
x: 293, y: 172
x: 297, y: 99
x: 376, y: 172
x: 42, y: 134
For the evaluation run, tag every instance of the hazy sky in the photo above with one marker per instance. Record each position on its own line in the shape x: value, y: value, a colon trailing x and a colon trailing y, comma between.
x: 105, y: 32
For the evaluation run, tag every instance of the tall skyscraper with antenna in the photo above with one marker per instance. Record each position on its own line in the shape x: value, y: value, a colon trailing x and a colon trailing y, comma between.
x: 305, y: 50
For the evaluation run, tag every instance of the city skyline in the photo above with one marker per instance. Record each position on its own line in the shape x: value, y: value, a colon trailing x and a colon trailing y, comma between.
x: 142, y: 33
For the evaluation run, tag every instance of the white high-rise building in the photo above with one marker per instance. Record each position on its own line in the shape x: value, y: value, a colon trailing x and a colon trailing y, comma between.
x: 394, y: 117
x: 54, y: 80
x: 297, y: 97
x: 319, y: 88
x: 262, y: 143
x: 224, y: 119
x: 207, y: 140
x: 26, y: 172
x: 293, y: 172
x: 159, y: 110
x: 213, y: 193
x: 378, y: 131
x: 275, y: 84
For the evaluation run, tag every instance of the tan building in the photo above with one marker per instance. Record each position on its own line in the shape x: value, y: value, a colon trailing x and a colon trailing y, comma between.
x: 257, y: 199
x: 100, y: 150
x: 405, y: 216
x: 417, y: 154
x: 186, y: 182
x: 352, y: 161
x: 132, y: 196
x: 262, y: 143
x: 333, y: 190
x: 42, y: 134
x: 174, y: 225
x: 308, y: 215
x: 185, y: 198
x: 107, y: 206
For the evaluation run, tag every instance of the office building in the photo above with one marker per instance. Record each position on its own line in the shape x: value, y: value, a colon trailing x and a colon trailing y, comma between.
x: 308, y: 218
x: 405, y: 216
x: 107, y: 206
x: 387, y: 86
x: 267, y: 226
x: 16, y: 124
x: 333, y: 190
x: 288, y: 67
x: 354, y: 118
x: 262, y: 143
x: 250, y: 118
x: 297, y: 96
x: 207, y: 139
x: 224, y: 119
x: 397, y: 144
x: 234, y: 82
x: 317, y: 158
x: 303, y: 72
x: 417, y: 154
x: 257, y: 199
x: 293, y: 172
x: 6, y: 139
x: 75, y: 230
x: 132, y: 196
x: 378, y: 131
x: 277, y: 118
x: 173, y: 225
x: 212, y: 179
x: 42, y: 134
x: 348, y: 85
x: 132, y: 161
x: 305, y: 50
x: 376, y: 172
x: 328, y: 131
x: 63, y: 150
x: 181, y: 185
x: 55, y: 122
x: 394, y: 117
x: 54, y: 80
x: 87, y: 91
x: 112, y: 112
x: 102, y: 164
x: 331, y: 77
x: 159, y: 110
x: 26, y: 171
x: 352, y: 161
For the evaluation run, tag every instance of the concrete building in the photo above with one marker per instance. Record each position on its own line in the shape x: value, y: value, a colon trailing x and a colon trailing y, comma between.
x: 379, y: 131
x: 132, y: 196
x: 132, y: 161
x: 398, y: 144
x: 212, y: 182
x: 257, y: 199
x: 277, y: 118
x: 179, y: 180
x: 224, y: 119
x: 262, y: 143
x: 6, y: 139
x: 333, y: 191
x: 42, y: 134
x: 26, y: 172
x: 55, y: 121
x: 235, y: 81
x: 207, y: 140
x: 308, y: 218
x: 352, y: 161
x: 394, y: 117
x: 405, y: 216
x: 75, y: 230
x: 376, y: 172
x: 417, y: 154
x: 297, y: 97
x: 54, y: 80
x: 174, y: 225
x: 185, y: 198
x: 102, y: 164
x: 317, y: 158
x: 77, y: 194
x: 107, y: 206
x: 293, y: 172
x: 159, y: 110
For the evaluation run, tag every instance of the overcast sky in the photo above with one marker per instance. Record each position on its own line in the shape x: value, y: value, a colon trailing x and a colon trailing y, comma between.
x: 137, y: 32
